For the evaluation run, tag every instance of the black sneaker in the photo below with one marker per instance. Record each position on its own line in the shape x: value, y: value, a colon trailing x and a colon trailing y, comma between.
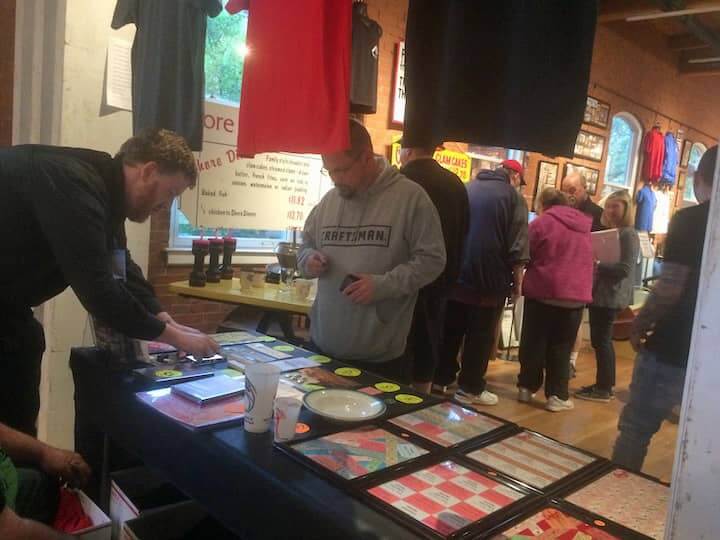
x: 592, y: 393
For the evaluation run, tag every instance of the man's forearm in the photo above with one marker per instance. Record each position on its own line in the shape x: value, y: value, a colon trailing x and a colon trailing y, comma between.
x: 664, y: 296
x: 21, y: 447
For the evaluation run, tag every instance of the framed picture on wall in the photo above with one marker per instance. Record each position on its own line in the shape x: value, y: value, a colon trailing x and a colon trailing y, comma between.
x: 590, y: 145
x: 591, y: 175
x: 687, y: 146
x: 597, y: 113
x: 547, y: 176
x: 680, y: 188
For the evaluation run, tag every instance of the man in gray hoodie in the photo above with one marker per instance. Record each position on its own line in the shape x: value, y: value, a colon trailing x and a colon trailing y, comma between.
x: 373, y: 242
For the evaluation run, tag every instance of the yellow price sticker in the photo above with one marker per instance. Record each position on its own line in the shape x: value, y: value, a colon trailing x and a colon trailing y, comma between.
x: 348, y: 371
x: 409, y: 399
x: 165, y: 373
x: 284, y: 348
x: 387, y: 387
x: 320, y: 359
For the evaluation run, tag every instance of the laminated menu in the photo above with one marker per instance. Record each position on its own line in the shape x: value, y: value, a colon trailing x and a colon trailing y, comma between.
x: 628, y: 499
x: 533, y: 459
x: 356, y: 453
x: 446, y: 497
x: 240, y: 337
x: 447, y: 424
x: 554, y: 524
x: 191, y: 414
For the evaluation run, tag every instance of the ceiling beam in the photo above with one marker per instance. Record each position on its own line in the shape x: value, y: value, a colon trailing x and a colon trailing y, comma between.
x: 685, y: 42
x: 621, y: 10
x: 699, y: 56
x: 702, y: 32
x: 696, y: 70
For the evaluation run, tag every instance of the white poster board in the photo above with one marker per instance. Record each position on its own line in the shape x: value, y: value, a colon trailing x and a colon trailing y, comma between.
x: 398, y: 100
x: 118, y: 90
x: 271, y: 191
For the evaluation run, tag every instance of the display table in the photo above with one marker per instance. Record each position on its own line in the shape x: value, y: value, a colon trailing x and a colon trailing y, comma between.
x: 254, y: 490
x: 267, y: 297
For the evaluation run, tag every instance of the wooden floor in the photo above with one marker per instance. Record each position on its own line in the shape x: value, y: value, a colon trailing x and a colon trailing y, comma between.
x: 590, y: 426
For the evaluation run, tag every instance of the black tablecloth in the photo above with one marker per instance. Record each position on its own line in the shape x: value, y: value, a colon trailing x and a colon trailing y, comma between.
x: 256, y: 491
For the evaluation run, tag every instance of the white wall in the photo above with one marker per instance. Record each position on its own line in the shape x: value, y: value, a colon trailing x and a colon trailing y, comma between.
x: 86, y: 32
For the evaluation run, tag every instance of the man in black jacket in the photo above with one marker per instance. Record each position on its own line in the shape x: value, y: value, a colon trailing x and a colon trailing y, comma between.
x: 448, y: 194
x: 495, y: 253
x: 574, y: 185
x: 63, y: 212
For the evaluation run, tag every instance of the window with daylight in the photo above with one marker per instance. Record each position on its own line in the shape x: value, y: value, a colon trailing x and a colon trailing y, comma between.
x: 696, y: 152
x: 225, y: 51
x: 622, y: 156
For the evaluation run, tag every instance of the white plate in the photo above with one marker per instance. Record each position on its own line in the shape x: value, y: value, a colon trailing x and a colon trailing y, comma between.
x: 344, y: 405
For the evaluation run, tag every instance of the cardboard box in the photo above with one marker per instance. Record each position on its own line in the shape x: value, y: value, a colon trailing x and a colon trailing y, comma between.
x: 134, y: 491
x: 174, y: 521
x: 101, y: 526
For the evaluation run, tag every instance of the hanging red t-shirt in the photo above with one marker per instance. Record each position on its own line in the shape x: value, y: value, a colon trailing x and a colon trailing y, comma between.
x: 654, y: 147
x: 296, y: 78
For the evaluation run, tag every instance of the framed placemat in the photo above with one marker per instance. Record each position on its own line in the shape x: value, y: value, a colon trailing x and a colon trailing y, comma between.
x: 632, y: 500
x: 450, y: 425
x: 537, y: 461
x: 448, y: 499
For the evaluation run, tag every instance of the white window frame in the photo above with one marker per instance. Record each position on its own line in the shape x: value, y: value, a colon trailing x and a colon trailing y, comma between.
x: 632, y: 167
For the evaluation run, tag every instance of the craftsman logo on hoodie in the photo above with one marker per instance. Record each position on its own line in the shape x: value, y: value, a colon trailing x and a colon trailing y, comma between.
x: 363, y: 235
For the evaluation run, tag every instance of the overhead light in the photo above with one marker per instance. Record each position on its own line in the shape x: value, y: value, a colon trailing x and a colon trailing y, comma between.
x: 710, y: 60
x: 242, y: 50
x: 675, y: 13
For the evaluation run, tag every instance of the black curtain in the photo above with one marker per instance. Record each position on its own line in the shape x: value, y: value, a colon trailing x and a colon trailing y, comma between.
x: 513, y: 73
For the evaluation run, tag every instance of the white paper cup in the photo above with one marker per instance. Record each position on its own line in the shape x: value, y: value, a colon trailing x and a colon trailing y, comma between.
x: 301, y: 289
x: 246, y: 280
x: 261, y: 382
x: 287, y: 410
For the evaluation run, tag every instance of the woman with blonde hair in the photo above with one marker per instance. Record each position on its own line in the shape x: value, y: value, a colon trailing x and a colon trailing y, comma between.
x: 612, y: 292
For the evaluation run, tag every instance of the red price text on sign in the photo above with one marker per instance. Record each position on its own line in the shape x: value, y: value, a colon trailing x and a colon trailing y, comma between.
x: 298, y: 200
x: 295, y: 215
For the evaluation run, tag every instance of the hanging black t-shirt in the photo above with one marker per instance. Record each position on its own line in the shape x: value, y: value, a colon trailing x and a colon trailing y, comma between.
x: 364, y: 68
x: 168, y: 63
x: 512, y: 74
x: 684, y: 245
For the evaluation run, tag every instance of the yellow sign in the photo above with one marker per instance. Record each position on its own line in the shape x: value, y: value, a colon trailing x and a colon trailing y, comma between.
x: 409, y: 399
x: 348, y: 371
x: 456, y: 162
x: 387, y: 387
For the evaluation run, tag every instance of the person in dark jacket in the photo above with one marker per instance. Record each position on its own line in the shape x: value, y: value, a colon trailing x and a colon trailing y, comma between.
x: 448, y: 194
x: 574, y: 185
x: 495, y: 253
x: 612, y: 292
x: 63, y: 211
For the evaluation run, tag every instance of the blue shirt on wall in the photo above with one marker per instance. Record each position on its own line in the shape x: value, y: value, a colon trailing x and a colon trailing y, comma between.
x: 646, y: 203
x: 671, y: 158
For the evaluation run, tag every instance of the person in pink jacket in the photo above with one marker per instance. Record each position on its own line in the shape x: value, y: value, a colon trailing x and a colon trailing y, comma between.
x: 557, y: 285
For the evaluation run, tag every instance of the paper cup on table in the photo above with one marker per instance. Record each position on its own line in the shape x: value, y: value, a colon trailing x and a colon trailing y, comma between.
x: 301, y: 289
x: 246, y: 280
x: 258, y: 280
x: 261, y: 382
x: 287, y: 410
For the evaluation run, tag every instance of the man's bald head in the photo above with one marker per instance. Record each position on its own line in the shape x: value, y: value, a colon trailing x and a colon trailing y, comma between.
x: 574, y: 185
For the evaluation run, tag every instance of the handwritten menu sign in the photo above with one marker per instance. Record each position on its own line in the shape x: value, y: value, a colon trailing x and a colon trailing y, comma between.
x: 269, y: 191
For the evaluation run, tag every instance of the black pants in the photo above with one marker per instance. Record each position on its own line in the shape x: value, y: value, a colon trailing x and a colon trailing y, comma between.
x: 476, y: 324
x: 22, y: 343
x: 426, y: 334
x: 601, y: 327
x: 548, y: 336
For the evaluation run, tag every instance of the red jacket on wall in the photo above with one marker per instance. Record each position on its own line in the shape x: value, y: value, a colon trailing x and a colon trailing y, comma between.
x: 654, y: 148
x: 561, y: 257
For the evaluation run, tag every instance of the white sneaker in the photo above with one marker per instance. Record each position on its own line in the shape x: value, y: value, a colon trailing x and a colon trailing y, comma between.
x: 485, y: 398
x: 448, y: 390
x: 525, y: 395
x: 555, y: 404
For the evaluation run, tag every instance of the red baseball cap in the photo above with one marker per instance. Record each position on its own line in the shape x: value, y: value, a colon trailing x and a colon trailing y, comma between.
x: 514, y: 165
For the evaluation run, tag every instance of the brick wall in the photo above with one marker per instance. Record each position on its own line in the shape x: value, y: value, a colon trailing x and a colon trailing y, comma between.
x: 631, y: 70
x: 7, y: 63
x: 634, y: 72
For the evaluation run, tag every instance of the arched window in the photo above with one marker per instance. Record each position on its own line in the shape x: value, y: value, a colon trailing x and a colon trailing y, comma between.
x: 622, y: 156
x: 696, y: 152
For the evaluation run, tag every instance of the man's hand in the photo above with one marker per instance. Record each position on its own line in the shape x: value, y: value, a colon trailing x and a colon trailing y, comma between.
x: 361, y: 291
x: 189, y: 341
x: 638, y: 336
x: 317, y: 264
x: 167, y: 318
x: 65, y: 465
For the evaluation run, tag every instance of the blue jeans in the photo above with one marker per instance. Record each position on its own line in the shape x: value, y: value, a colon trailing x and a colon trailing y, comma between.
x: 655, y: 389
